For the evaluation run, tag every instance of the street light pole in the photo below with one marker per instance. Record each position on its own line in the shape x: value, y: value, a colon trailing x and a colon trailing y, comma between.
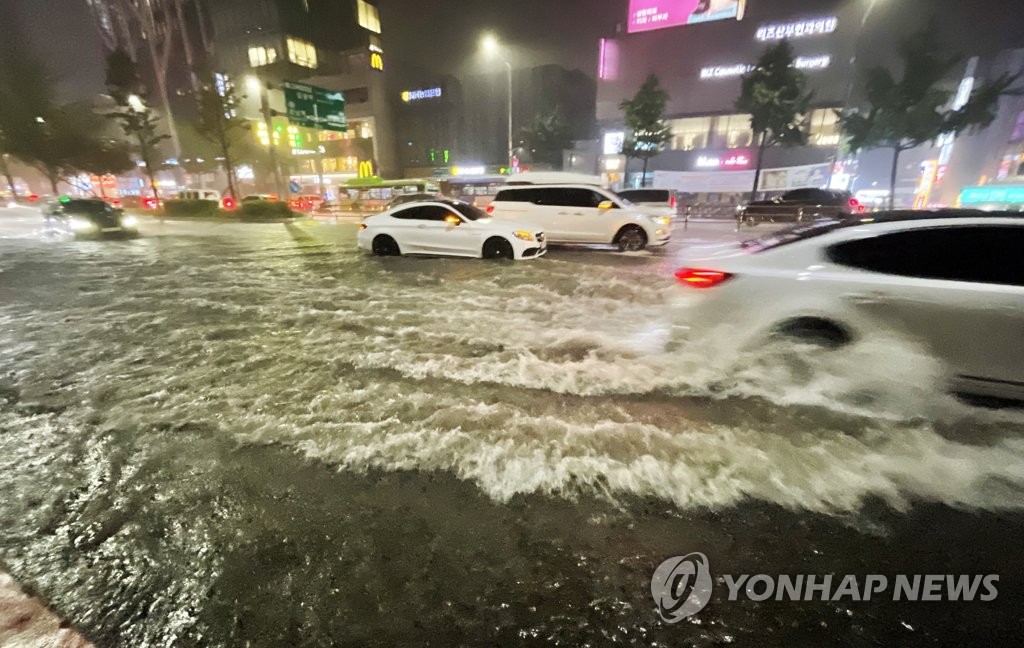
x: 492, y: 46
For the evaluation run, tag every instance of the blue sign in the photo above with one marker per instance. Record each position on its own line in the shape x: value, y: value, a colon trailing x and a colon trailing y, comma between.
x: 294, y: 186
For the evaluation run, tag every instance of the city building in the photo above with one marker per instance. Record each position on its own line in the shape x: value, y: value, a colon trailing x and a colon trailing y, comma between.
x: 336, y: 46
x: 429, y: 122
x: 701, y: 58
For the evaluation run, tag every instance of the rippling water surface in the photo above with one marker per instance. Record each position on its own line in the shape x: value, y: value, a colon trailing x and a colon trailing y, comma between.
x: 217, y: 435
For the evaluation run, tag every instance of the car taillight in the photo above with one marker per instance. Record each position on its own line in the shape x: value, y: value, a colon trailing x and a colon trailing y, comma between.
x: 861, y: 209
x: 150, y: 203
x: 854, y: 202
x: 672, y: 202
x: 490, y: 209
x: 697, y: 278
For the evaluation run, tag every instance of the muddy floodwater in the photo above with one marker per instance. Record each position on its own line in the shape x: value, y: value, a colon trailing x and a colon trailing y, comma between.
x: 226, y: 435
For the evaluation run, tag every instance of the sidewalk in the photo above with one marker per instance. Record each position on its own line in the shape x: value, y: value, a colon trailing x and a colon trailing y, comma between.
x: 26, y: 623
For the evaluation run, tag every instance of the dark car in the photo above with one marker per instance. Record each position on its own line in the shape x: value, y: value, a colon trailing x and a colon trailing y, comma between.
x: 90, y: 219
x: 411, y: 198
x: 802, y: 205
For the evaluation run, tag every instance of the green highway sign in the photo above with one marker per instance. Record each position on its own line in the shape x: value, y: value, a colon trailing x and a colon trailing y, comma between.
x: 313, y: 107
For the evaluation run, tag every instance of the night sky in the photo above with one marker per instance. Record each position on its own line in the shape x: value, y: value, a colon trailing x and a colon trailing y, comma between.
x: 444, y: 35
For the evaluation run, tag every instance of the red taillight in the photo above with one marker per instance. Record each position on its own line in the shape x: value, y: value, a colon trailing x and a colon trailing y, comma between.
x: 861, y: 209
x: 150, y: 203
x: 228, y: 204
x: 672, y: 202
x: 854, y: 202
x: 697, y: 278
x: 490, y: 209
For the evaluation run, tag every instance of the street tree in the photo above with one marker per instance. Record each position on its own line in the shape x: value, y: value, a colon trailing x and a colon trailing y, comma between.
x: 219, y: 122
x: 774, y: 93
x: 645, y: 119
x: 105, y: 158
x: 137, y: 119
x: 547, y: 137
x: 917, y: 107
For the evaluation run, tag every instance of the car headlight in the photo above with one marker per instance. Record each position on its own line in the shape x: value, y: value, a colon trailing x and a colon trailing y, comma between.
x: 523, y: 235
x: 81, y: 225
x: 129, y: 221
x: 661, y: 220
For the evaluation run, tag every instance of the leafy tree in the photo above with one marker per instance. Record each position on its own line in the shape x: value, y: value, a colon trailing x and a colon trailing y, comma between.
x: 645, y: 118
x: 917, y: 108
x: 136, y: 117
x: 775, y: 95
x: 219, y: 122
x: 107, y: 158
x: 547, y: 137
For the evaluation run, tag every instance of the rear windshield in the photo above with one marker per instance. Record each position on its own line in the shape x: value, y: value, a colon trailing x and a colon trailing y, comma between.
x: 90, y: 207
x: 646, y: 195
x: 794, y: 234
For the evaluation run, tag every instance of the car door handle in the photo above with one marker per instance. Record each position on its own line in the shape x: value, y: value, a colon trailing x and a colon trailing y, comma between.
x: 867, y: 298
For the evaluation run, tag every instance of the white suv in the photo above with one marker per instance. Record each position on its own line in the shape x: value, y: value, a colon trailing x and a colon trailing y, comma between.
x: 572, y: 213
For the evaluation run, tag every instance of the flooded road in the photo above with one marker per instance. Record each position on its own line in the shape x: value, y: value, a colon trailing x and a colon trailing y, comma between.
x: 227, y: 435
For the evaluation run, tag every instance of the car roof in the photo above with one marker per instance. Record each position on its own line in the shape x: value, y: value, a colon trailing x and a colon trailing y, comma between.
x: 528, y: 187
x: 906, y: 215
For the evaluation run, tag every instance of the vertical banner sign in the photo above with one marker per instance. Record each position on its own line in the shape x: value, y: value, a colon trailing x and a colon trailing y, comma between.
x: 313, y: 107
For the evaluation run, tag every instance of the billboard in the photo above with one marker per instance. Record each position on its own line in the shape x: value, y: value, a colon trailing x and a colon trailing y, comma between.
x: 648, y: 15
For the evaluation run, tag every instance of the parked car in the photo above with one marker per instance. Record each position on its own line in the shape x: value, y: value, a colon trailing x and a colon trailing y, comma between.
x: 662, y: 201
x: 201, y: 194
x: 449, y: 228
x: 951, y: 279
x: 582, y: 214
x: 802, y: 205
x: 260, y: 198
x: 89, y: 219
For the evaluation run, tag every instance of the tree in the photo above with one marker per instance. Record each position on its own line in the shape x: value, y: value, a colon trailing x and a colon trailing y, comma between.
x: 645, y: 118
x: 917, y: 108
x: 547, y: 137
x: 137, y: 119
x: 775, y: 96
x: 218, y: 121
x: 108, y: 158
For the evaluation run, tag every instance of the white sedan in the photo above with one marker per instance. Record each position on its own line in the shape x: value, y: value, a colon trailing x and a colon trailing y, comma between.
x: 449, y: 228
x: 951, y: 280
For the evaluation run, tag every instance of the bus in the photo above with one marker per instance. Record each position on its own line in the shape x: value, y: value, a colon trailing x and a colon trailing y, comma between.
x: 478, y: 191
x: 993, y: 197
x: 362, y: 195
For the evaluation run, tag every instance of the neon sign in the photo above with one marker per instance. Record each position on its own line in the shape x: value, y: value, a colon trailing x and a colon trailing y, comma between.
x: 648, y: 15
x: 799, y: 29
x: 738, y: 160
x: 419, y: 95
x: 739, y: 69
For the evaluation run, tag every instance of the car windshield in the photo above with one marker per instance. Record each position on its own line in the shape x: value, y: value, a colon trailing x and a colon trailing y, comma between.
x: 86, y: 207
x: 626, y: 202
x: 469, y: 212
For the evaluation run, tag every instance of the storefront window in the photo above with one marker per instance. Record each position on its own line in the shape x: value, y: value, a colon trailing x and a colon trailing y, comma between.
x: 690, y: 134
x: 824, y: 127
x: 733, y: 131
x: 302, y: 53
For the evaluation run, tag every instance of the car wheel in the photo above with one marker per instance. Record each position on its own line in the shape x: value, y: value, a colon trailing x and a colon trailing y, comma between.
x: 498, y: 248
x: 631, y: 239
x: 384, y: 245
x: 813, y: 330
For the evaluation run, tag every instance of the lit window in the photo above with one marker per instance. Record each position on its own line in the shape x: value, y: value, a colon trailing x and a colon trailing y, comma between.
x: 690, y: 134
x: 260, y: 56
x: 302, y: 53
x: 734, y: 131
x: 824, y: 129
x: 369, y: 16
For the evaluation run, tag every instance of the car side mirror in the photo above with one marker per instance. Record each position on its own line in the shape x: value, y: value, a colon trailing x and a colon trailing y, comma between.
x: 606, y: 205
x: 452, y: 220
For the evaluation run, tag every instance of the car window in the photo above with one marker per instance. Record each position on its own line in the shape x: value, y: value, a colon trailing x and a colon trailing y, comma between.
x: 976, y: 254
x: 800, y: 195
x: 793, y: 235
x: 646, y: 195
x: 433, y: 213
x: 87, y: 207
x: 469, y: 212
x: 580, y: 198
x: 517, y: 195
